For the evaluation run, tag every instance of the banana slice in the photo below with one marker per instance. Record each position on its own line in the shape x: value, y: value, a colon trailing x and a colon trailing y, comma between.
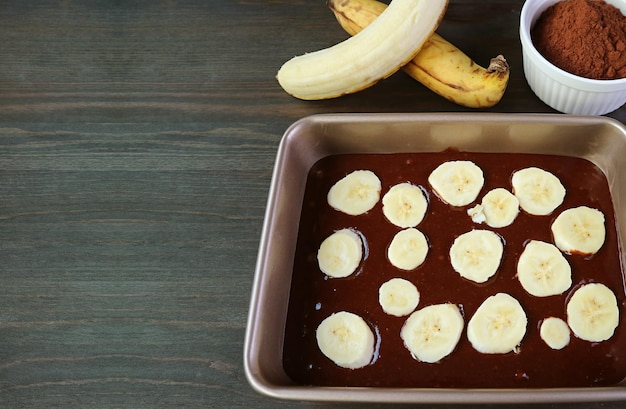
x: 340, y: 254
x: 408, y: 249
x: 432, y: 333
x: 398, y: 297
x: 356, y: 193
x: 539, y: 191
x: 405, y: 205
x: 554, y: 332
x: 457, y: 182
x: 476, y: 255
x: 499, y: 208
x: 543, y: 270
x: 498, y: 325
x: 592, y: 312
x: 346, y: 339
x: 579, y: 230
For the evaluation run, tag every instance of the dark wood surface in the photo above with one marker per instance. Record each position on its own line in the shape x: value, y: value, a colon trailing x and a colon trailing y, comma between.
x: 137, y: 140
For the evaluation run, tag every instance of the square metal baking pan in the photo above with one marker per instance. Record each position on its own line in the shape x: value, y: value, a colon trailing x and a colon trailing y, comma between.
x: 599, y: 139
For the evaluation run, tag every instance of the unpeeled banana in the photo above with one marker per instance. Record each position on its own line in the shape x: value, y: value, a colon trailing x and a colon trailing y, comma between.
x: 439, y: 65
x: 364, y: 59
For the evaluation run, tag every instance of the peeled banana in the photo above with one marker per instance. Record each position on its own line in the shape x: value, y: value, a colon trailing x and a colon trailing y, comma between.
x: 364, y: 59
x: 439, y: 65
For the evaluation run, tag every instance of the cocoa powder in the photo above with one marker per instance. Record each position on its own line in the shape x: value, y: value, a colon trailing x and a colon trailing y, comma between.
x: 583, y: 37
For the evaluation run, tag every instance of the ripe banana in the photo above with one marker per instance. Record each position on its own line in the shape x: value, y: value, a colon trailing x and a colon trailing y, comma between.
x: 579, y: 230
x: 346, y: 339
x: 592, y: 312
x: 539, y: 191
x: 432, y: 333
x: 498, y: 208
x: 405, y: 205
x: 356, y: 193
x: 543, y: 270
x: 439, y: 65
x: 554, y: 332
x: 340, y: 254
x: 398, y: 297
x: 364, y: 59
x: 457, y: 182
x: 408, y: 249
x: 498, y: 325
x: 476, y: 255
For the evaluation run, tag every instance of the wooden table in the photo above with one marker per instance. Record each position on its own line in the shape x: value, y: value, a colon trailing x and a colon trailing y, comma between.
x: 137, y: 141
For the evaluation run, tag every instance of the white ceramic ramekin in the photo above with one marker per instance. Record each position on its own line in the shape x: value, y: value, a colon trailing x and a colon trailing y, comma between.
x: 559, y: 89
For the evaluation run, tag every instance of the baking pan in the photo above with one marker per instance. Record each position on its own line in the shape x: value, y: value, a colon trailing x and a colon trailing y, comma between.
x: 600, y: 140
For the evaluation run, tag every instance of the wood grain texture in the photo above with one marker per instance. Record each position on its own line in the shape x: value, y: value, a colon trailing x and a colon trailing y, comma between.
x: 137, y: 141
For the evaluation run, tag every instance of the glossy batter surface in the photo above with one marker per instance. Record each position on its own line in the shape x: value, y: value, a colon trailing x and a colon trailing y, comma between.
x: 314, y: 296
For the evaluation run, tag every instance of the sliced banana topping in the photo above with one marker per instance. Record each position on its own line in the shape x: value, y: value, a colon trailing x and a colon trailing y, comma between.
x: 498, y: 325
x: 543, y: 270
x: 340, y: 254
x: 579, y: 230
x: 398, y: 297
x: 539, y: 191
x: 457, y: 183
x: 554, y: 332
x: 356, y: 193
x: 498, y: 208
x: 432, y: 333
x: 408, y: 249
x: 346, y: 339
x: 405, y: 205
x: 476, y: 255
x: 592, y: 312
